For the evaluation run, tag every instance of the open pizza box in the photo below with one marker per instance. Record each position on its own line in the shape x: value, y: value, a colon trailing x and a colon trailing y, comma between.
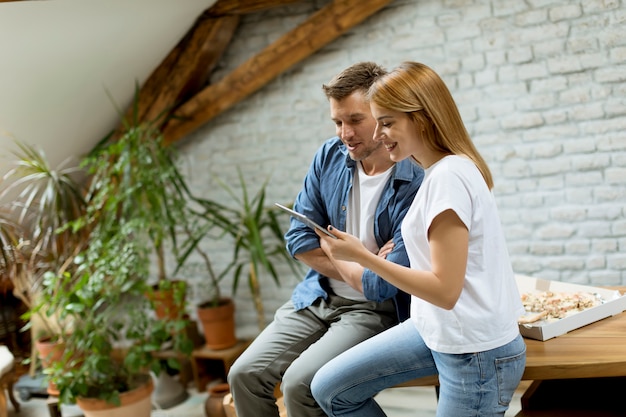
x: 613, y: 303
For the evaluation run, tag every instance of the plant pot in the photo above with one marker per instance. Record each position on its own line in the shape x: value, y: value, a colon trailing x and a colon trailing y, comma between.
x: 214, y: 404
x: 218, y: 324
x: 49, y: 352
x: 134, y: 403
x: 164, y: 301
x: 168, y: 392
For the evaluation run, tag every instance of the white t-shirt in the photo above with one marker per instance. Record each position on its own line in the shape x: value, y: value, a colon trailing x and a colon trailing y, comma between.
x: 485, y: 316
x: 362, y: 202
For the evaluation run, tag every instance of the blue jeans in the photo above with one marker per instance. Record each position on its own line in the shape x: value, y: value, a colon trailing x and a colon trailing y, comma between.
x: 471, y: 385
x: 294, y: 346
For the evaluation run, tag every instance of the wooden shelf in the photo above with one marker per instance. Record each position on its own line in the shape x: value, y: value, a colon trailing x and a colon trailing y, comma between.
x: 208, y: 364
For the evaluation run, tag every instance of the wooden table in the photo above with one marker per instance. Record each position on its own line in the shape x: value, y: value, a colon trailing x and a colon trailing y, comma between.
x: 597, y: 351
x: 583, y: 368
x: 593, y: 351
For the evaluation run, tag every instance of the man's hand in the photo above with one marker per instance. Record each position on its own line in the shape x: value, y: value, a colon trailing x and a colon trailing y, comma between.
x: 386, y: 249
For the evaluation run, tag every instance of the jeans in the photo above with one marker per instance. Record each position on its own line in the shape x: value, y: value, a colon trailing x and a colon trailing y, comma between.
x: 471, y: 385
x: 294, y: 346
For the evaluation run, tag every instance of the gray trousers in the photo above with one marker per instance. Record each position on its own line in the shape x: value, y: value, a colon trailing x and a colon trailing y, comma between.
x: 294, y: 346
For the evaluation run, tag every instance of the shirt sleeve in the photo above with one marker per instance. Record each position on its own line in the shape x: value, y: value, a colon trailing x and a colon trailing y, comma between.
x: 448, y: 192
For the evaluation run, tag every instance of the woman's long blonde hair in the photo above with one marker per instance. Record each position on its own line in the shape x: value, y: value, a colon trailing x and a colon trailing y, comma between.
x: 416, y: 89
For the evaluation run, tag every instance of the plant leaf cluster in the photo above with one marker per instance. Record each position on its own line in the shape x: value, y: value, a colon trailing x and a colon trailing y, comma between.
x: 257, y: 238
x: 87, y: 249
x: 135, y: 203
x: 37, y: 201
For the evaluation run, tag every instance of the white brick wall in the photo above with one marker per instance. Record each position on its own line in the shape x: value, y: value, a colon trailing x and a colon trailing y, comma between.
x: 541, y: 85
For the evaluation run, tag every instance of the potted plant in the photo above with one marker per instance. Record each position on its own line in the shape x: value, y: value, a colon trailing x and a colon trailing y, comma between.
x: 136, y: 207
x: 256, y: 236
x: 112, y: 347
x: 40, y: 199
x: 217, y: 315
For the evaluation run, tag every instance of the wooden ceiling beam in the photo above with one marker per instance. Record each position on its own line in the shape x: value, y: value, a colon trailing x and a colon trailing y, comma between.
x: 186, y: 68
x: 224, y: 7
x: 320, y: 29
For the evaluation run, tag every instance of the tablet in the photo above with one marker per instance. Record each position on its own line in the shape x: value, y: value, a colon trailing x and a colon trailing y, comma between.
x: 304, y: 219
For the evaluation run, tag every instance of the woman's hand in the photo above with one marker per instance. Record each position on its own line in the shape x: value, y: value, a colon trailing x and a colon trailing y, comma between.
x: 346, y: 247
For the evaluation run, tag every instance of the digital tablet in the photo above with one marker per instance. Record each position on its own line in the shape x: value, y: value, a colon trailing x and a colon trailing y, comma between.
x: 304, y: 219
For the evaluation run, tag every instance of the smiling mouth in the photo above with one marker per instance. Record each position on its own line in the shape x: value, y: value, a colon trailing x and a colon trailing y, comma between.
x: 390, y: 146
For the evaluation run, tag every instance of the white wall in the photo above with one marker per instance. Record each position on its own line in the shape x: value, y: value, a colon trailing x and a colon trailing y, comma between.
x: 60, y: 60
x: 541, y: 85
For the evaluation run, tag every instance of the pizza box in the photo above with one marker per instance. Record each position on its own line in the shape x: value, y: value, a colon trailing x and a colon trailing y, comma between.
x: 613, y: 303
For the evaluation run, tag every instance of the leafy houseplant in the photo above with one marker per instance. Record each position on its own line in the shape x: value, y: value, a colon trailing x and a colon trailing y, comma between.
x: 257, y: 239
x: 136, y: 204
x: 136, y: 173
x: 39, y: 200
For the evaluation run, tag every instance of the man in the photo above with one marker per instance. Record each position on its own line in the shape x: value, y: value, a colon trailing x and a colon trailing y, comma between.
x: 353, y: 185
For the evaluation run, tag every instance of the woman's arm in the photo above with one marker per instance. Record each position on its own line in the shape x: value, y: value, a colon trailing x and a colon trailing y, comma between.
x: 448, y: 239
x: 349, y: 272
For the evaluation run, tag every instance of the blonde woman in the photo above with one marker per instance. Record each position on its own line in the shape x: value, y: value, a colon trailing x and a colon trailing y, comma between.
x: 464, y: 300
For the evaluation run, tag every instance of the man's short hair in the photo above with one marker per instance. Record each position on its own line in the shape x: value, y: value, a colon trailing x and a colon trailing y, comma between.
x: 358, y: 77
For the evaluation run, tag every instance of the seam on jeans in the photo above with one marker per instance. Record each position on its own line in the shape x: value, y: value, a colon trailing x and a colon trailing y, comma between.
x: 369, y: 378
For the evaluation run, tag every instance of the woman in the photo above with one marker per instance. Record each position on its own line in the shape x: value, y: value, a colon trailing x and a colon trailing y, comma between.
x: 464, y: 299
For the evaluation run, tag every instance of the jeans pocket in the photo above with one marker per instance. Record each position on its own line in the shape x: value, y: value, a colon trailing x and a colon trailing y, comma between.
x: 509, y: 372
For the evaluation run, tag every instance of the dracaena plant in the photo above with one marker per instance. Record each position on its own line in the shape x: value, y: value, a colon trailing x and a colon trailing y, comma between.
x: 255, y: 233
x: 38, y: 200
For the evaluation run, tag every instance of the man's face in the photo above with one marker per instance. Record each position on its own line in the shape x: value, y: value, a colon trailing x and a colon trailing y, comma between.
x: 354, y: 124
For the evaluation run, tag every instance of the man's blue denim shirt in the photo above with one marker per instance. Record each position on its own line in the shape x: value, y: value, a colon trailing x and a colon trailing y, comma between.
x: 324, y: 199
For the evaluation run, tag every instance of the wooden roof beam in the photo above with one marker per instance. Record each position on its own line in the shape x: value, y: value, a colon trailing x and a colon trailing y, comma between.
x: 224, y: 7
x: 186, y: 68
x: 320, y: 29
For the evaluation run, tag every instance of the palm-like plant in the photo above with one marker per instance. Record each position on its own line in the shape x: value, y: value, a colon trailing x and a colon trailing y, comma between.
x: 39, y: 200
x: 257, y: 238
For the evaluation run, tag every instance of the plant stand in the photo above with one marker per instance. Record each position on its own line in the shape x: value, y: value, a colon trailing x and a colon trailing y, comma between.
x: 206, y: 362
x: 54, y: 408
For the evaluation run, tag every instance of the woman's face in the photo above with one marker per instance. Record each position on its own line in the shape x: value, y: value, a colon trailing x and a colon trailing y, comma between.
x: 398, y: 132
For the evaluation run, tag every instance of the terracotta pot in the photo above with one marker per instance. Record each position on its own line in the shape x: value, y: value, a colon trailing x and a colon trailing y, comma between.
x: 164, y: 303
x: 214, y: 404
x: 49, y: 352
x: 134, y: 403
x: 218, y: 324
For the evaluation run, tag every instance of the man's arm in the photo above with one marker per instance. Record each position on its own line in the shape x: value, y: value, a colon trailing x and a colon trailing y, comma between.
x: 317, y: 260
x: 349, y: 272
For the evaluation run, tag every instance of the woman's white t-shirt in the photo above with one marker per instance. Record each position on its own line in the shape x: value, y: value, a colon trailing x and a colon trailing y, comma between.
x: 485, y: 316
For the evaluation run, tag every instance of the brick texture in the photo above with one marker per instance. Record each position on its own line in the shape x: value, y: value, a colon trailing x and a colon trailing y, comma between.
x: 541, y: 86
